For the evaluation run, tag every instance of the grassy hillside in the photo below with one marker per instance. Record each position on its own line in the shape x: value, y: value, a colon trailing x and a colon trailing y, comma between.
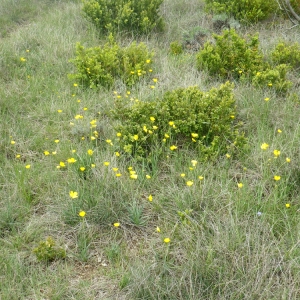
x: 183, y: 229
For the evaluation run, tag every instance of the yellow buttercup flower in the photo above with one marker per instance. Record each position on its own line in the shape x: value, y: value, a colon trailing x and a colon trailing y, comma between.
x: 73, y: 194
x: 90, y: 152
x: 264, y: 146
x: 117, y: 224
x: 173, y: 147
x: 240, y: 185
x: 194, y: 163
x: 150, y: 198
x: 276, y: 177
x: 71, y: 160
x: 189, y: 183
x: 276, y: 153
x: 82, y: 214
x: 167, y: 240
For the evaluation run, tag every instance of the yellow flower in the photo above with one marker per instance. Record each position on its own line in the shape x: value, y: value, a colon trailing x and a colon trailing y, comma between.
x: 264, y: 146
x: 167, y: 240
x: 54, y: 152
x: 200, y: 177
x: 133, y: 176
x: 90, y: 152
x: 59, y: 111
x: 152, y: 86
x: 240, y: 185
x: 150, y: 198
x: 195, y: 135
x: 171, y: 123
x: 152, y: 119
x: 150, y: 70
x: 166, y: 136
x: 109, y: 142
x: 46, y: 152
x: 85, y: 108
x: 276, y: 177
x: 22, y: 59
x: 117, y: 224
x: 118, y: 174
x: 75, y: 84
x: 135, y: 137
x: 18, y: 155
x: 189, y: 183
x: 145, y: 128
x: 77, y: 117
x: 12, y: 142
x: 82, y: 169
x: 270, y: 84
x: 150, y: 131
x: 148, y: 176
x: 27, y: 166
x: 194, y: 163
x: 82, y: 214
x: 93, y: 138
x: 73, y: 194
x: 276, y: 153
x: 154, y: 79
x: 279, y: 130
x: 93, y: 165
x: 106, y: 163
x: 71, y: 160
x: 117, y: 153
x: 288, y: 160
x: 287, y: 205
x: 228, y: 155
x: 56, y: 141
x: 115, y: 169
x: 62, y: 164
x: 267, y: 99
x: 182, y: 175
x: 157, y: 229
x: 93, y: 123
x: 148, y: 61
x: 155, y: 127
x: 173, y: 147
x: 119, y: 134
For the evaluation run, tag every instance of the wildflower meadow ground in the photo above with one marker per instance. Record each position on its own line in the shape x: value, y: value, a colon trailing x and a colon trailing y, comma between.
x: 82, y: 219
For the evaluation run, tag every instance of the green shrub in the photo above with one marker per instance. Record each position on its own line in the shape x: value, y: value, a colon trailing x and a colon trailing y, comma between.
x: 185, y: 117
x: 176, y: 48
x: 140, y: 16
x: 231, y: 56
x: 101, y: 66
x: 246, y: 11
x: 275, y: 77
x: 47, y: 251
x: 286, y: 54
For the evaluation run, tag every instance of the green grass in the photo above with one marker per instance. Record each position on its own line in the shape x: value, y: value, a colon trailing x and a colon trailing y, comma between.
x: 226, y: 242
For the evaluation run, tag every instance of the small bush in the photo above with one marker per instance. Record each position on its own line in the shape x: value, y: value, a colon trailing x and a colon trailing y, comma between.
x: 246, y: 11
x: 231, y: 56
x: 176, y: 48
x: 186, y: 117
x: 275, y: 77
x: 286, y: 54
x: 101, y: 66
x: 47, y: 251
x: 140, y: 16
